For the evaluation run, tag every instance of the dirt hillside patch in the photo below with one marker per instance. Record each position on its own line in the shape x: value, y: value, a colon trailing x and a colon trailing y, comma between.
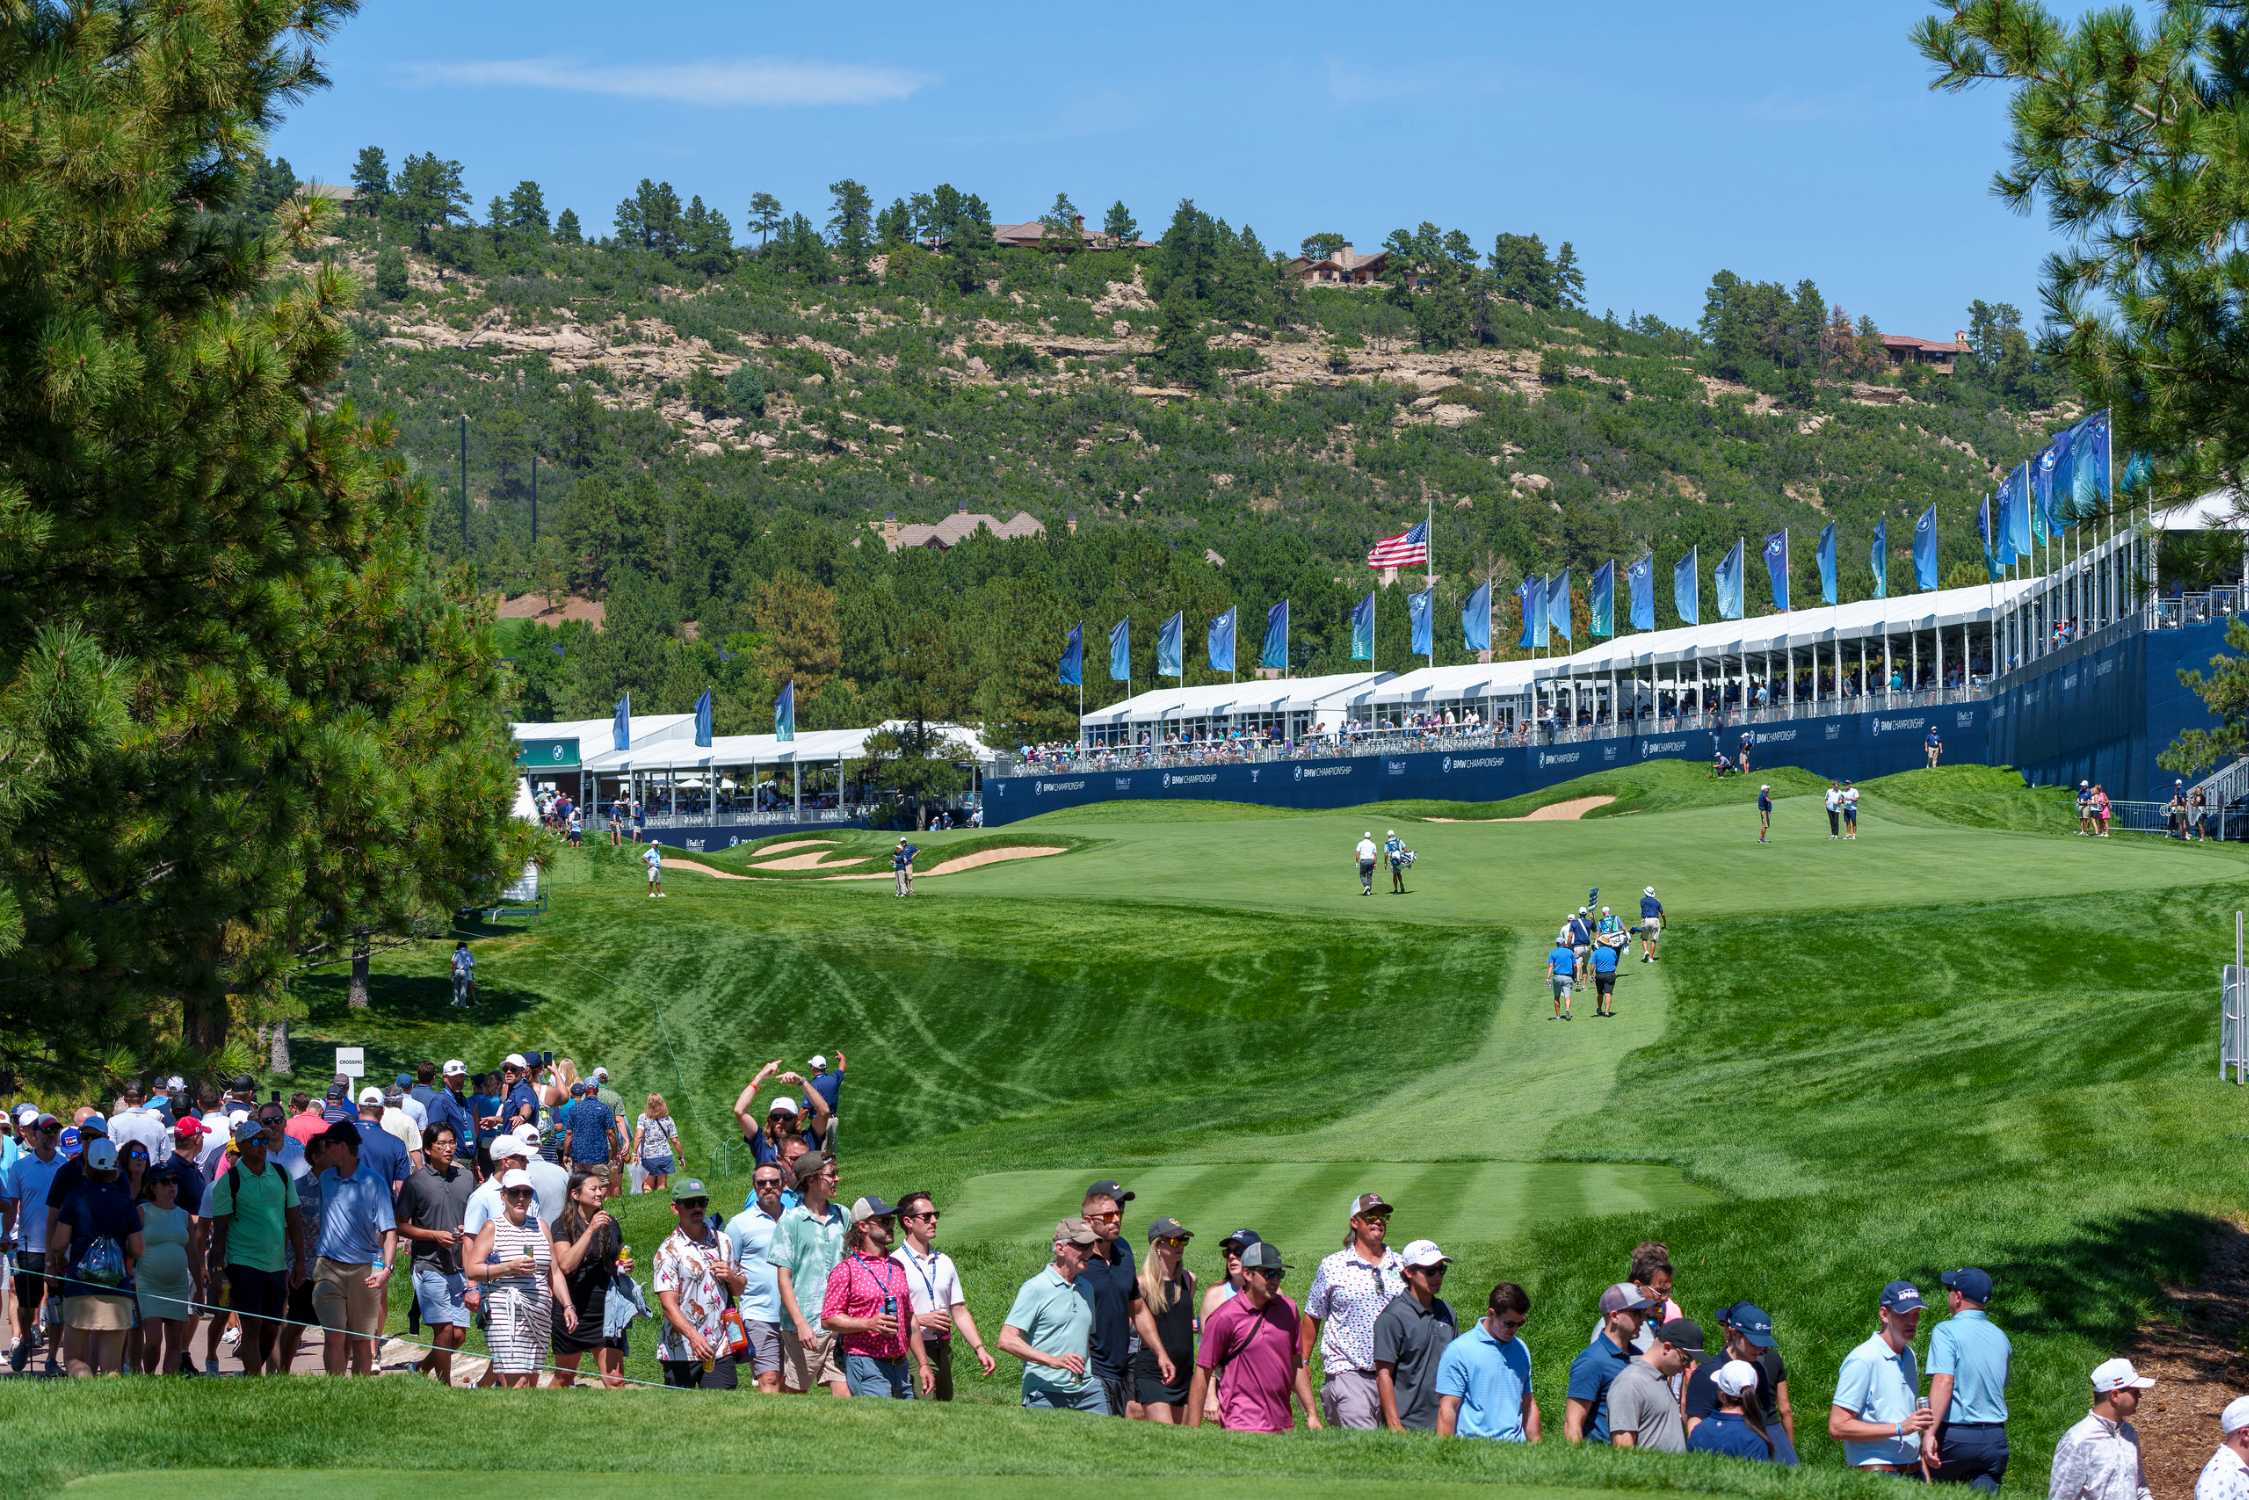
x: 1552, y: 812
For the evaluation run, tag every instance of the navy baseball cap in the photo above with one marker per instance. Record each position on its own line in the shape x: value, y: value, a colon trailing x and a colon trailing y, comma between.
x: 1902, y: 1296
x: 1240, y: 1240
x: 1751, y: 1322
x: 1969, y: 1282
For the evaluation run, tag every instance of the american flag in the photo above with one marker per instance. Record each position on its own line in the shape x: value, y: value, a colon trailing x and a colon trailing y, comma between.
x: 1406, y: 549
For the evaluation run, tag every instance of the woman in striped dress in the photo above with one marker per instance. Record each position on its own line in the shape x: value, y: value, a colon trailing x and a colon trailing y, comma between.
x: 514, y: 1256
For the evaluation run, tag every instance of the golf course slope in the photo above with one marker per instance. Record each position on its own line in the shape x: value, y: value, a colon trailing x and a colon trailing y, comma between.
x: 1968, y: 1037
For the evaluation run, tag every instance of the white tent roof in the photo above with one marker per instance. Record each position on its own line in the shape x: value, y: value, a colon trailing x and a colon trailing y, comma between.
x: 1217, y: 699
x: 594, y: 735
x: 821, y: 745
x: 1499, y: 679
x: 2216, y: 511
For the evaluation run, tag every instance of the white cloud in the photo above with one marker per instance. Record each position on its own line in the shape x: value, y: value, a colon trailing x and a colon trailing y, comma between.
x: 749, y: 82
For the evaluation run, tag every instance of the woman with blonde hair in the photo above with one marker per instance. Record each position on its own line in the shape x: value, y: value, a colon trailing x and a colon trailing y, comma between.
x: 1165, y: 1363
x: 656, y: 1145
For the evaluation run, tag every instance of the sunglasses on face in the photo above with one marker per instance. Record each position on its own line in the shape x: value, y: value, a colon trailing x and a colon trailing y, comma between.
x: 1172, y: 1242
x: 766, y: 1182
x: 1272, y: 1276
x: 694, y: 1203
x: 1107, y: 1218
x: 930, y: 1215
x: 524, y: 1193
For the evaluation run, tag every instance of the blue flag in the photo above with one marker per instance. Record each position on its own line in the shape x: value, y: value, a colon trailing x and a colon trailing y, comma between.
x: 1362, y: 629
x: 1167, y: 647
x: 2139, y: 471
x: 1983, y: 530
x: 2012, y: 541
x: 1275, y: 655
x: 1827, y: 563
x: 1476, y: 619
x: 1603, y: 603
x: 1925, y: 550
x: 1878, y: 559
x: 1641, y: 577
x: 2088, y: 469
x: 785, y: 712
x: 1686, y: 587
x: 1776, y: 567
x: 1531, y: 595
x: 1420, y: 611
x: 703, y: 720
x: 2044, y: 526
x: 1729, y: 581
x: 1120, y: 651
x: 621, y: 729
x: 1558, y: 605
x: 1072, y: 672
x: 1220, y: 641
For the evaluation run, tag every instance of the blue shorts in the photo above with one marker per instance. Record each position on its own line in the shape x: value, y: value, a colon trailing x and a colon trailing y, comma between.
x: 656, y: 1166
x: 1091, y: 1398
x: 866, y: 1375
x: 442, y: 1296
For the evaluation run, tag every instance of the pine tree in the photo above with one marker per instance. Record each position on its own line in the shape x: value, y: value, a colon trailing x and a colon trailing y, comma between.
x: 1059, y: 225
x: 390, y: 275
x: 217, y: 625
x: 894, y: 226
x: 370, y: 179
x: 851, y: 222
x: 1182, y: 353
x: 1119, y: 225
x: 527, y: 210
x: 566, y: 228
x: 764, y: 217
x: 428, y: 194
x: 1569, y: 278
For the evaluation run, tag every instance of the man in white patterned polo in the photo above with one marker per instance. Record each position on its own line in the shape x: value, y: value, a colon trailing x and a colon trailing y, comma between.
x: 1349, y: 1292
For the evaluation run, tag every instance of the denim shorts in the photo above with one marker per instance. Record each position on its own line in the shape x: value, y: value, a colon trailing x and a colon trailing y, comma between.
x: 442, y: 1296
x: 869, y: 1376
x: 656, y: 1166
x: 1090, y: 1398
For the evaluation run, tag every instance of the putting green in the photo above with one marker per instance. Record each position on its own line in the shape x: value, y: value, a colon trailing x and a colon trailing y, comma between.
x: 289, y: 1484
x: 1302, y: 1206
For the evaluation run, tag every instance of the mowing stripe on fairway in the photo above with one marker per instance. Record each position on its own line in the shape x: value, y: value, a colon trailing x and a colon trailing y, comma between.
x: 290, y: 1484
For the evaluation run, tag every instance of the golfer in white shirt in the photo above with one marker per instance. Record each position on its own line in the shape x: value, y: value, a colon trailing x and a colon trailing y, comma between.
x: 1366, y: 863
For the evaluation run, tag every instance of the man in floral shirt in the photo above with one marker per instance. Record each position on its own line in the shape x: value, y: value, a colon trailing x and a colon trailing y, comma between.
x: 1349, y: 1292
x: 695, y: 1278
x: 866, y: 1304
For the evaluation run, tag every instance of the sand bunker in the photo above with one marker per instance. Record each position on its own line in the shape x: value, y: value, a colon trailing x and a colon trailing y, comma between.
x: 1552, y: 812
x: 971, y: 861
x: 787, y: 844
x: 700, y: 868
x: 817, y: 860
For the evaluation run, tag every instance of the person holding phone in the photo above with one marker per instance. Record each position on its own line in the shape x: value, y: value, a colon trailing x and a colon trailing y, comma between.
x: 867, y: 1306
x: 514, y: 1257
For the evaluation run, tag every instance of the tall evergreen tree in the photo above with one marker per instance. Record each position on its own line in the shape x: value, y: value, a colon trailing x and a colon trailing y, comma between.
x: 527, y: 210
x: 764, y: 217
x: 1119, y: 225
x: 370, y: 179
x: 1062, y: 224
x: 851, y: 222
x: 1569, y: 278
x: 429, y: 195
x: 566, y: 228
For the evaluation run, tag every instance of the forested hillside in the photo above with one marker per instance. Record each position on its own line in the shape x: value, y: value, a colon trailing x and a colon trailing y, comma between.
x: 715, y: 425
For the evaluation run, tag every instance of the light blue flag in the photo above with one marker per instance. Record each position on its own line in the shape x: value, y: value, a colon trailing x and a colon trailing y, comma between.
x: 1275, y: 655
x: 1776, y: 567
x: 1362, y: 629
x: 1729, y: 580
x: 621, y: 728
x: 1531, y: 595
x: 2013, y: 539
x: 703, y: 720
x: 1878, y: 559
x: 1603, y: 603
x: 1686, y: 587
x: 1168, y: 663
x: 1072, y: 671
x: 1476, y: 619
x: 2139, y: 472
x: 1558, y: 605
x: 1220, y: 641
x: 2044, y: 526
x: 1827, y: 563
x: 1925, y: 550
x: 1420, y: 614
x: 785, y: 712
x: 1120, y: 650
x: 2088, y: 470
x: 1641, y: 578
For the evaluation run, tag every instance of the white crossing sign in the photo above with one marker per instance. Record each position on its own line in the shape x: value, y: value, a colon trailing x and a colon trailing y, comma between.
x: 351, y: 1061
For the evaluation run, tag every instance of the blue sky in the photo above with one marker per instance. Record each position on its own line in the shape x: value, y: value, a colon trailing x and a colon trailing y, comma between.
x: 1666, y: 141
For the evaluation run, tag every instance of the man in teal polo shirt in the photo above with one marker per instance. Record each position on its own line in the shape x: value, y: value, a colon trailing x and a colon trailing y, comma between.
x: 1873, y: 1415
x: 1050, y: 1329
x: 1484, y: 1380
x: 1968, y: 1363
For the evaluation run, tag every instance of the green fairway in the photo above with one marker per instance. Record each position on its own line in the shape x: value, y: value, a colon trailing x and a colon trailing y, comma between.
x: 1964, y: 1038
x: 289, y: 1484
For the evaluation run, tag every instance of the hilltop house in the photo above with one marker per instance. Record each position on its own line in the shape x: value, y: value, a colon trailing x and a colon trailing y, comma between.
x: 1033, y: 234
x: 1345, y: 267
x: 954, y: 529
x: 1938, y: 358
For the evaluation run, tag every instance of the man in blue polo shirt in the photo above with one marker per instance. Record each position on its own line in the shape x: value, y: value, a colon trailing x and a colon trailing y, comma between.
x: 1968, y: 1363
x: 1561, y: 974
x: 1484, y: 1379
x: 1624, y: 1307
x: 1604, y: 980
x: 1873, y: 1415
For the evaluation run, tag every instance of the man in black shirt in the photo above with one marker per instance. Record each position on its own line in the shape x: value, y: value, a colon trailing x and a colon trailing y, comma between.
x: 1110, y: 1284
x: 431, y: 1208
x: 1748, y: 1337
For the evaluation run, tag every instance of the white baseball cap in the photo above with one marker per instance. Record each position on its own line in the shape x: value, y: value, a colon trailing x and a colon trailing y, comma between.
x: 819, y: 1063
x: 515, y: 1178
x: 26, y: 1113
x: 1736, y: 1378
x: 455, y: 1068
x: 1368, y: 834
x: 601, y: 1075
x: 371, y: 1096
x: 505, y: 1146
x: 1764, y: 786
x: 515, y: 1060
x: 529, y: 1136
x: 2118, y: 1375
x: 783, y: 1105
x: 1390, y: 833
x: 1422, y: 1253
x: 2236, y: 1416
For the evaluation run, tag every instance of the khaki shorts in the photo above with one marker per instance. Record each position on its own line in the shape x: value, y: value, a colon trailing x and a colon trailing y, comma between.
x: 1651, y: 926
x: 804, y: 1366
x: 98, y: 1314
x: 1349, y: 1398
x: 344, y: 1300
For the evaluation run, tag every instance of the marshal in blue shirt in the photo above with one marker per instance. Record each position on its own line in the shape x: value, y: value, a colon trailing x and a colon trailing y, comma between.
x: 1970, y: 1348
x: 1564, y: 961
x: 1591, y: 1375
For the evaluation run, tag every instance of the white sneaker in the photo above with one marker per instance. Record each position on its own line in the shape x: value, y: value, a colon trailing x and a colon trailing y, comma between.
x: 231, y: 1337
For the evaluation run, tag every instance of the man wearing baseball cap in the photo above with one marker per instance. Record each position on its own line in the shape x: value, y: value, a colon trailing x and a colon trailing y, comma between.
x: 1251, y: 1348
x: 1643, y: 1410
x: 1747, y: 1335
x: 449, y: 1105
x: 1624, y: 1309
x: 25, y: 1197
x: 377, y: 1147
x: 2099, y: 1458
x: 1409, y: 1341
x: 869, y: 1308
x: 1110, y: 1284
x: 1050, y: 1329
x: 1968, y: 1365
x: 2226, y: 1475
x: 1874, y: 1415
x: 1349, y: 1291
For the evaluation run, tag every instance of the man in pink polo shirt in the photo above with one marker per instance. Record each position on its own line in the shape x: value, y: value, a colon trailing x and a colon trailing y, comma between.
x: 1252, y: 1339
x: 869, y: 1307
